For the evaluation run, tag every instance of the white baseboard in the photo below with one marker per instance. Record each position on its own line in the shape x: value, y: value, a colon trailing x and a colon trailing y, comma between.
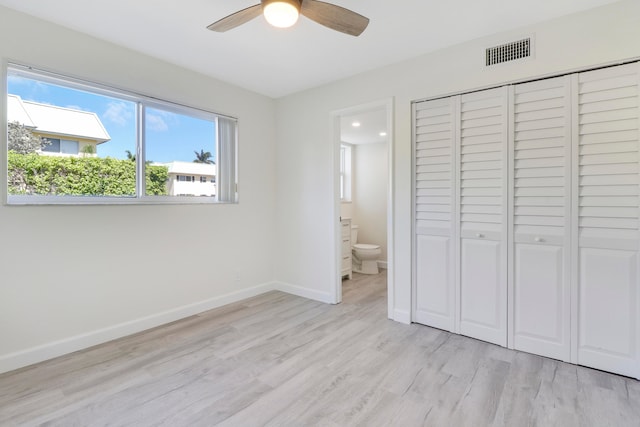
x: 402, y: 316
x: 12, y: 361
x: 325, y: 297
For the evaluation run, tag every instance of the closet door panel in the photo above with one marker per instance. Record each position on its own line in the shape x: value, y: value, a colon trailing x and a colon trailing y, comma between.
x: 482, y: 293
x: 540, y: 312
x: 434, y: 214
x: 433, y: 281
x: 482, y: 219
x: 606, y: 145
x: 608, y: 300
x: 541, y: 214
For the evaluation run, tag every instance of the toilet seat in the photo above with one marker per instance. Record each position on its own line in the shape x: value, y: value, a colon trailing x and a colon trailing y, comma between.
x: 365, y: 246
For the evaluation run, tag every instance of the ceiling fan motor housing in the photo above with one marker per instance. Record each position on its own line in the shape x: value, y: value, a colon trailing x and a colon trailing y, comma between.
x: 295, y: 3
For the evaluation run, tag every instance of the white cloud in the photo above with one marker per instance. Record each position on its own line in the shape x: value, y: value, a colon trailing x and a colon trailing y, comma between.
x: 156, y: 123
x: 30, y: 90
x: 119, y: 113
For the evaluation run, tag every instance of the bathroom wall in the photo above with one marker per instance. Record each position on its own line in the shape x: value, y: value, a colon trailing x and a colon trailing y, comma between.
x: 370, y: 189
x: 346, y: 210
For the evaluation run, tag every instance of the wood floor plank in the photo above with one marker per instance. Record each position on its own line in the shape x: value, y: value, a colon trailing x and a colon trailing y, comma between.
x: 281, y: 360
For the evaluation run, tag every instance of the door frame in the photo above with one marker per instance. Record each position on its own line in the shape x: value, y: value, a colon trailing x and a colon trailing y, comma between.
x: 386, y: 104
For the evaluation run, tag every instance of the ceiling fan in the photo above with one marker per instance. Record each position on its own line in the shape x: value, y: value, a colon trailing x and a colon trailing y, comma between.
x: 284, y: 13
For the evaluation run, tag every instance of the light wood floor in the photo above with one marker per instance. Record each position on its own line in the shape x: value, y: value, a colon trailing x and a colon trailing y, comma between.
x: 281, y: 360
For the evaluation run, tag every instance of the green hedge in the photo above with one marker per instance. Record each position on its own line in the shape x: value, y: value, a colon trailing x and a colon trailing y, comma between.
x: 80, y: 176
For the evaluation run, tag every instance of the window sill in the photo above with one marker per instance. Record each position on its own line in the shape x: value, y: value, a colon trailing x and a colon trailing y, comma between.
x: 17, y: 200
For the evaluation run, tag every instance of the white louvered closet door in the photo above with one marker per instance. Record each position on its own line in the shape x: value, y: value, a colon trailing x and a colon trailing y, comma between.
x: 482, y: 210
x: 434, y: 302
x: 540, y: 287
x: 606, y: 217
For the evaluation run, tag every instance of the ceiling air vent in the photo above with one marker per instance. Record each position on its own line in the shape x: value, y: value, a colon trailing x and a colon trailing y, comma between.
x: 509, y: 52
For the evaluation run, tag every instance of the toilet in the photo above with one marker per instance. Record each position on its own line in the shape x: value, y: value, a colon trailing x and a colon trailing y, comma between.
x: 364, y: 256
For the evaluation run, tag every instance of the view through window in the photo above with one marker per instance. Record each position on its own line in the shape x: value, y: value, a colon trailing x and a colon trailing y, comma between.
x: 73, y: 140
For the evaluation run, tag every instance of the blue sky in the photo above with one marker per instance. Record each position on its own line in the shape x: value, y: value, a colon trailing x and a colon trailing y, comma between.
x: 169, y: 136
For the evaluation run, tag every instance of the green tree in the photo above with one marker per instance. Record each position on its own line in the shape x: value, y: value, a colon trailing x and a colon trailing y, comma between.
x: 130, y: 155
x: 21, y: 140
x: 88, y: 149
x: 204, y: 157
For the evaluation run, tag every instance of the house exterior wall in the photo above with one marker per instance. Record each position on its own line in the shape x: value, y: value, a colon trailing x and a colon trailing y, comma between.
x: 191, y: 188
x: 82, y: 143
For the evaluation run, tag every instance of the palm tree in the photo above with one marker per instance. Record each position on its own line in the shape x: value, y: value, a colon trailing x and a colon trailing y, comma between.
x: 204, y: 157
x: 130, y: 155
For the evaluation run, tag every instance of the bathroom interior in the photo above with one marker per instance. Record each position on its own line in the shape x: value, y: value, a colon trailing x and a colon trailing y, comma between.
x: 364, y: 182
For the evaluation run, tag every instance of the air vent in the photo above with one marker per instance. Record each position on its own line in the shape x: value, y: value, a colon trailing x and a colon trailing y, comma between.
x: 509, y: 52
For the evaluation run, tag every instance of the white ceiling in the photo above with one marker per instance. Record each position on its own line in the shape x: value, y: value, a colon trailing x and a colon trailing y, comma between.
x: 371, y: 124
x: 278, y: 62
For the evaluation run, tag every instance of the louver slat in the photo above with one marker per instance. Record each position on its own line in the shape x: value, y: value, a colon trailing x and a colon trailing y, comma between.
x: 434, y: 166
x: 608, y: 157
x: 482, y: 162
x: 540, y: 168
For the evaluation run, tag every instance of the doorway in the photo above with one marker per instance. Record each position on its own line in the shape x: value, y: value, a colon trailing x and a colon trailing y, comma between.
x: 363, y: 176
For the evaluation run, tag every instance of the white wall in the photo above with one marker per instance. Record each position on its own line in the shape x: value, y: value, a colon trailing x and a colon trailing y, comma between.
x: 305, y: 156
x: 72, y: 276
x: 346, y: 210
x: 370, y: 191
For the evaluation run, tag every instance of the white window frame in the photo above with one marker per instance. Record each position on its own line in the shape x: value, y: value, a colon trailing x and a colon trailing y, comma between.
x: 227, y: 165
x: 345, y: 172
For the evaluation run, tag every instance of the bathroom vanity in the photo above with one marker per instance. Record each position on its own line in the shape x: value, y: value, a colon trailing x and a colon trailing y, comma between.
x: 346, y: 247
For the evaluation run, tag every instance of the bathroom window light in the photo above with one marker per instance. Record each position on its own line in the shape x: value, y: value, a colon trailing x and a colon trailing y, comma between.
x: 345, y: 173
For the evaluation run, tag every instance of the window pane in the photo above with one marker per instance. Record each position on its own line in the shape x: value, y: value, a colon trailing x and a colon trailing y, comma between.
x: 180, y: 152
x: 67, y: 141
x: 51, y: 145
x: 68, y: 147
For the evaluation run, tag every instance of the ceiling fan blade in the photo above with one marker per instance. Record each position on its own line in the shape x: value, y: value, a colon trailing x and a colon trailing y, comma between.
x: 236, y: 19
x: 335, y: 17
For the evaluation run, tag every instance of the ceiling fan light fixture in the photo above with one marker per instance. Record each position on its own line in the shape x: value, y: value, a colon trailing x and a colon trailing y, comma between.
x: 281, y: 13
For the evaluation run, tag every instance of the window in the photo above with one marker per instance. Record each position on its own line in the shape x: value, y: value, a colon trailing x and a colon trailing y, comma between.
x: 53, y: 145
x: 64, y: 146
x: 345, y: 173
x: 85, y: 143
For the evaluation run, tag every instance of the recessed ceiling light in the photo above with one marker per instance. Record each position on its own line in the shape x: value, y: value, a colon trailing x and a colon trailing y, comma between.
x: 355, y: 124
x: 383, y: 134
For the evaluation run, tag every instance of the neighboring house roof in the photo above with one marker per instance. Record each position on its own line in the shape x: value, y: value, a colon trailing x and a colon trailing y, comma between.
x: 17, y: 113
x: 59, y: 120
x: 190, y: 168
